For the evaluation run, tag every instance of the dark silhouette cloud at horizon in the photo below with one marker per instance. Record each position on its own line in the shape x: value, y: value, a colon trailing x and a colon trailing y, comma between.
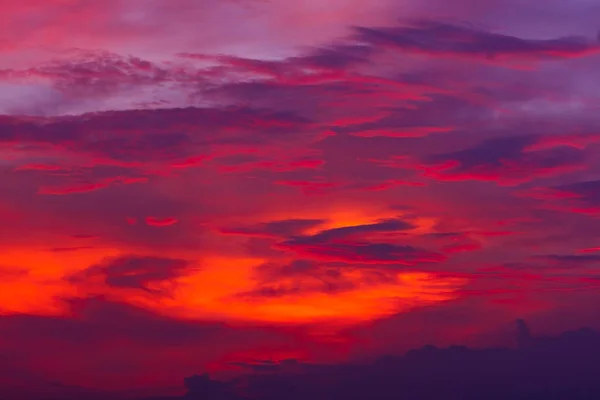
x: 564, y: 367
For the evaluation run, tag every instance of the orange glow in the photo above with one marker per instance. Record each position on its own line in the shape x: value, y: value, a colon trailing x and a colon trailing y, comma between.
x: 33, y: 280
x: 215, y: 291
x: 217, y: 287
x: 208, y: 295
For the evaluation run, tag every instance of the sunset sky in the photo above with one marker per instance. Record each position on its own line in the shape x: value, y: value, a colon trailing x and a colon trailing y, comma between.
x: 188, y: 185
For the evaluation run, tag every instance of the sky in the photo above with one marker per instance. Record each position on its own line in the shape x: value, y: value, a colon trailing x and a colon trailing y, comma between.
x: 190, y: 185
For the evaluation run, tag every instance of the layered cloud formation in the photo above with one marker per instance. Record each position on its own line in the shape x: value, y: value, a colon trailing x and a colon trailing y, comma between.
x: 202, y: 183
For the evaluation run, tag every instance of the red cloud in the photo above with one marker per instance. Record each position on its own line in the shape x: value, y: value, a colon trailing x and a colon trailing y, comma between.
x: 90, y: 187
x: 155, y: 221
x: 83, y: 188
x: 310, y: 187
x: 409, y: 132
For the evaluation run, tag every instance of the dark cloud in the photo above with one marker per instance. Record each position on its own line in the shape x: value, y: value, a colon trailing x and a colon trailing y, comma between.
x: 361, y: 252
x: 283, y: 228
x: 439, y: 38
x: 301, y: 277
x: 100, y: 73
x: 581, y: 197
x: 339, y: 56
x: 203, y: 387
x: 296, y: 267
x: 561, y: 368
x: 506, y: 160
x: 574, y: 259
x: 328, y: 286
x: 587, y: 192
x: 392, y: 225
x: 148, y: 135
x: 439, y: 113
x: 135, y: 272
x: 349, y: 244
x: 103, y: 339
x: 97, y: 320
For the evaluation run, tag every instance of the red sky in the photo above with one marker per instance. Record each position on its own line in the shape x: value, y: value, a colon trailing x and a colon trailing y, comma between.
x: 187, y: 184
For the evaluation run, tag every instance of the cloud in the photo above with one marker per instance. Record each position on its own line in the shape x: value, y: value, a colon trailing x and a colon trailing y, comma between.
x: 427, y: 372
x: 342, y: 244
x: 577, y: 197
x: 587, y: 192
x: 155, y: 221
x: 439, y: 38
x: 98, y: 320
x: 146, y: 135
x: 89, y: 187
x: 283, y: 228
x: 391, y: 225
x: 303, y: 277
x: 361, y: 252
x: 135, y: 272
x: 94, y: 326
x: 572, y: 259
x: 506, y: 160
x: 306, y: 184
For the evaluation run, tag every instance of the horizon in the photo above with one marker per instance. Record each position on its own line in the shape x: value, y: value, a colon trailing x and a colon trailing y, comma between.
x: 258, y: 378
